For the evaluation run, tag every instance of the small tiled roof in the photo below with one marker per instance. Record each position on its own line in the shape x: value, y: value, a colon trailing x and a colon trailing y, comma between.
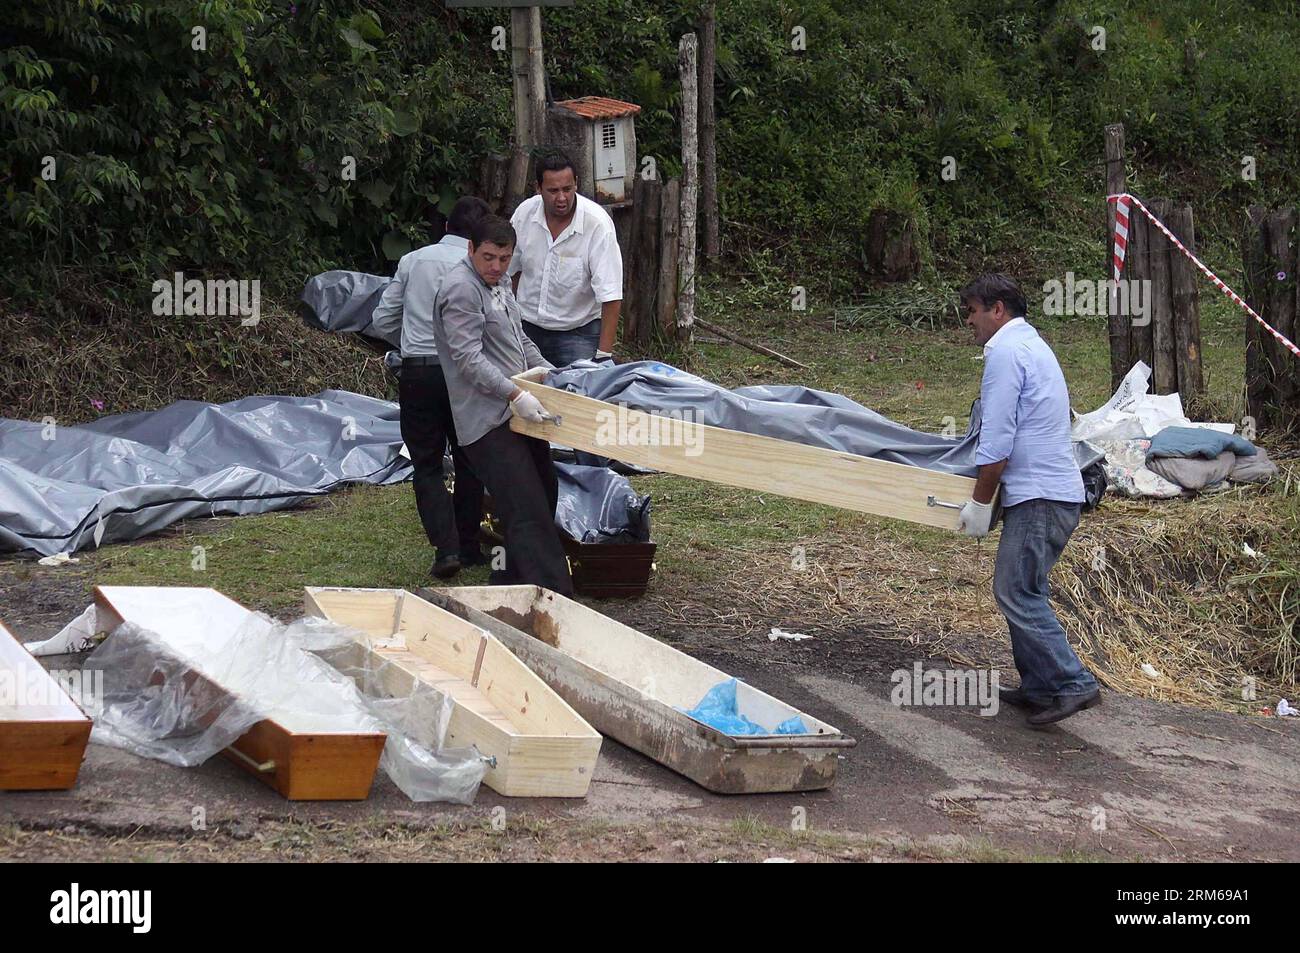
x: 599, y: 107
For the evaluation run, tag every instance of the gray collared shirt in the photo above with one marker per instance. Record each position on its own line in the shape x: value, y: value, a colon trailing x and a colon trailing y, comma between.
x: 416, y: 322
x: 481, y: 343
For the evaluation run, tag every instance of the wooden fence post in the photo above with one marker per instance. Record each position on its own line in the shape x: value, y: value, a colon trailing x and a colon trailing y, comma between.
x: 1137, y: 267
x: 1271, y: 254
x: 686, y: 62
x: 1118, y: 324
x: 669, y: 222
x: 1164, y: 377
x: 1187, y: 313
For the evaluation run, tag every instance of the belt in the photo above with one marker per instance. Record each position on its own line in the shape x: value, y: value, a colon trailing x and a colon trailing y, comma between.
x: 422, y: 361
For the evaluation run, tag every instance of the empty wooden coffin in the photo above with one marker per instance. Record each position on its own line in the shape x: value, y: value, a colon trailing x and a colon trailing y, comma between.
x: 751, y: 461
x: 305, y: 757
x: 539, y: 745
x: 43, y: 733
x: 636, y: 689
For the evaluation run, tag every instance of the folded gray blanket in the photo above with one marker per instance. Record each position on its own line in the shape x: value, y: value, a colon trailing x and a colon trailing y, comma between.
x: 1197, y: 442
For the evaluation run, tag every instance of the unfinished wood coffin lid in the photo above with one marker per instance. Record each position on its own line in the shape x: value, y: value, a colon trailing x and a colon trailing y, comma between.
x: 541, y: 747
x: 752, y: 461
x: 42, y: 738
x: 305, y: 758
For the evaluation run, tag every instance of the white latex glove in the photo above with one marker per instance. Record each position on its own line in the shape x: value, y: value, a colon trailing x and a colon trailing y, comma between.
x: 528, y: 407
x: 975, y: 518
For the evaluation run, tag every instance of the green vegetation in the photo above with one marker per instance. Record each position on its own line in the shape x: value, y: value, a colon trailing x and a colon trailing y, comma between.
x: 214, y: 137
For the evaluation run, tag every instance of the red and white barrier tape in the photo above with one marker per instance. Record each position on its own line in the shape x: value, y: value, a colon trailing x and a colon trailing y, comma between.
x: 1121, y: 245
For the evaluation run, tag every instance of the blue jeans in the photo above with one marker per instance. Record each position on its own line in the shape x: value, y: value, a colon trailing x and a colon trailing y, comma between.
x: 562, y: 348
x: 1033, y: 535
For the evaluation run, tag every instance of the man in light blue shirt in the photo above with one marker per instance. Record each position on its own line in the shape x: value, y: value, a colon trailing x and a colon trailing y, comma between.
x: 450, y: 521
x: 1025, y: 446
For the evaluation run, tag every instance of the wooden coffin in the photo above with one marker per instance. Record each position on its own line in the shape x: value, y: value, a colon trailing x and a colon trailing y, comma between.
x: 43, y: 733
x: 299, y: 756
x: 754, y: 462
x: 634, y: 688
x: 539, y: 745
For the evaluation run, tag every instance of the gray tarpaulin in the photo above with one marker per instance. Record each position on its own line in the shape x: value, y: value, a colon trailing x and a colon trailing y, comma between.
x: 786, y: 411
x: 598, y: 506
x: 66, y: 488
x: 789, y: 412
x: 344, y: 301
x: 120, y: 477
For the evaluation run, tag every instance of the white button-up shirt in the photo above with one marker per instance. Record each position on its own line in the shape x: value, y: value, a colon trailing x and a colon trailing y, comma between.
x: 564, y: 281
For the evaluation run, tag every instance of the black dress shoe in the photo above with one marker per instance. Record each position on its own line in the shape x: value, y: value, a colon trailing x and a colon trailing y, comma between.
x: 444, y: 567
x: 474, y: 558
x: 1018, y: 699
x: 1064, y: 706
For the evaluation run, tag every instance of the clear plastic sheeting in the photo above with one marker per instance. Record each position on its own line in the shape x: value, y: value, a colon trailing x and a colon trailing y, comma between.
x: 183, y: 700
x: 596, y: 505
x: 121, y: 477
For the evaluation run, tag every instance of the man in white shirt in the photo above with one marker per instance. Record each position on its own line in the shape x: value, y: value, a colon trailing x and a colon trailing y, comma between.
x: 450, y: 521
x: 567, y: 268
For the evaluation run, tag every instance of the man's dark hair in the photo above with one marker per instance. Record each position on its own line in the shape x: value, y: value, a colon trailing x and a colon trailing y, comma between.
x: 467, y: 210
x: 554, y: 161
x: 993, y: 286
x: 494, y: 229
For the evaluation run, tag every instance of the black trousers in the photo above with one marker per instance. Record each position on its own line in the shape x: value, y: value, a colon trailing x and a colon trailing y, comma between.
x: 521, y: 478
x: 451, y: 523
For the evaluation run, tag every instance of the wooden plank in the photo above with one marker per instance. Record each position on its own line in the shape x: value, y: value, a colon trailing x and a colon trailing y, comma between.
x: 750, y: 461
x: 287, y: 752
x: 631, y: 687
x: 1164, y: 379
x: 1187, y: 314
x: 43, y: 733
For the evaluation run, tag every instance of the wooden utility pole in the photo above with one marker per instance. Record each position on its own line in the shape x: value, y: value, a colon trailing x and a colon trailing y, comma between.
x: 712, y: 245
x: 1118, y: 325
x: 688, y: 66
x: 526, y: 69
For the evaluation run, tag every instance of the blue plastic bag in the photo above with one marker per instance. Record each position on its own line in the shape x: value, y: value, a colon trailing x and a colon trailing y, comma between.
x: 717, y: 709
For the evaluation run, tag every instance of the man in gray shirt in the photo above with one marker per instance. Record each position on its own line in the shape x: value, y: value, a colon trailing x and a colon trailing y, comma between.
x: 481, y: 345
x: 451, y: 522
